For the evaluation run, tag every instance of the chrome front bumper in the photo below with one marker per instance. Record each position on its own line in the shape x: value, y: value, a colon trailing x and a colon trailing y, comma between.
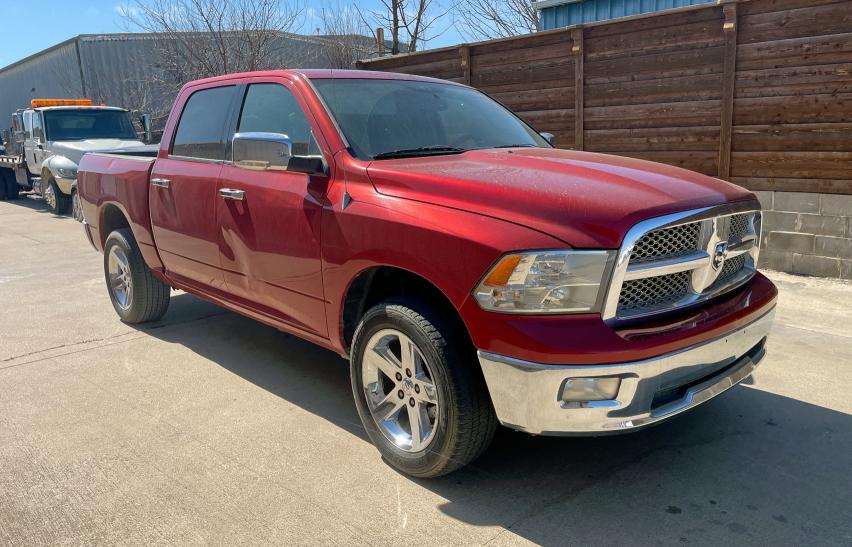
x: 526, y: 395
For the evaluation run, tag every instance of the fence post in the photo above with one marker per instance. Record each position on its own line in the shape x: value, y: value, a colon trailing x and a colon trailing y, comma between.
x: 729, y: 73
x: 464, y: 52
x: 579, y: 78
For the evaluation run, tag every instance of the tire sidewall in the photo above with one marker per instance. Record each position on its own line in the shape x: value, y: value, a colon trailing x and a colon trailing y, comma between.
x: 388, y: 315
x: 120, y: 238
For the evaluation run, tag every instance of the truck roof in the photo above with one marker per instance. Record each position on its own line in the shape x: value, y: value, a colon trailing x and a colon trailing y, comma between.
x: 327, y: 73
x: 93, y: 107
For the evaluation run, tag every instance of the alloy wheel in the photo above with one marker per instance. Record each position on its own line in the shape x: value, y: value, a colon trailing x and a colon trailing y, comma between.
x: 50, y: 196
x: 400, y: 390
x: 120, y: 280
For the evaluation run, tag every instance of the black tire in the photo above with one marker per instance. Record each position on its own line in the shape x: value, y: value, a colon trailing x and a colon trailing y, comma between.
x: 76, y: 206
x: 4, y: 184
x: 149, y: 298
x: 60, y: 202
x: 467, y: 420
x: 13, y: 189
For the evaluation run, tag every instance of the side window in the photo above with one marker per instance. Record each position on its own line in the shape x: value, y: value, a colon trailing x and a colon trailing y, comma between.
x: 28, y: 124
x: 38, y: 131
x: 201, y: 129
x: 272, y: 108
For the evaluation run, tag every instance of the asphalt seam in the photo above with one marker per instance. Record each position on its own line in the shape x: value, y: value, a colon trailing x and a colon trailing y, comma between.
x: 141, y: 332
x: 815, y: 331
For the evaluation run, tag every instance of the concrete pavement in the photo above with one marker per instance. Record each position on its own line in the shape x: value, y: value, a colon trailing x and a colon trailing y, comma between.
x: 209, y: 428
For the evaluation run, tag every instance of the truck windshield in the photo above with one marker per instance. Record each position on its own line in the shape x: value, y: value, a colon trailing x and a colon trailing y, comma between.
x: 385, y: 119
x: 77, y: 125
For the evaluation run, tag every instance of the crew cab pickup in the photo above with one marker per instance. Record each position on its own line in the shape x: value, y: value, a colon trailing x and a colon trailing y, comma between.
x: 472, y: 274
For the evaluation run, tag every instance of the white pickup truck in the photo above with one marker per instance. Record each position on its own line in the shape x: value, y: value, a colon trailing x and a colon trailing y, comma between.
x: 48, y: 140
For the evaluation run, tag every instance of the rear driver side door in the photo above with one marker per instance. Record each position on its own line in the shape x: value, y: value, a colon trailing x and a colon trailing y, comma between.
x: 183, y: 192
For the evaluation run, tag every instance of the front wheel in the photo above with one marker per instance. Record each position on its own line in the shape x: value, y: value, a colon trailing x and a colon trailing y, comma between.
x: 56, y: 201
x: 419, y: 394
x: 136, y: 294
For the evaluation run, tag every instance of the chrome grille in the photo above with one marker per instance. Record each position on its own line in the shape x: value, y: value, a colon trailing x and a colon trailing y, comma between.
x: 739, y: 227
x: 652, y: 292
x: 667, y: 243
x: 683, y: 258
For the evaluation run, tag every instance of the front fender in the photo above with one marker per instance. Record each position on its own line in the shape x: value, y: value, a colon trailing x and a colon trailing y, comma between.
x: 63, y: 170
x: 449, y: 248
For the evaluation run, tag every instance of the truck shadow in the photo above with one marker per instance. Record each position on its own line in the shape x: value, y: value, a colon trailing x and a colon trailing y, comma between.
x: 31, y: 201
x: 750, y: 467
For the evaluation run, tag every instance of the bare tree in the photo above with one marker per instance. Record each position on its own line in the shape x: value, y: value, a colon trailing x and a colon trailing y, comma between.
x: 487, y: 19
x: 413, y: 21
x: 346, y: 34
x: 203, y: 38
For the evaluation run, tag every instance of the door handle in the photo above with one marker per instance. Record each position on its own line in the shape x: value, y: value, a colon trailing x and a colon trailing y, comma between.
x: 161, y: 183
x: 231, y: 193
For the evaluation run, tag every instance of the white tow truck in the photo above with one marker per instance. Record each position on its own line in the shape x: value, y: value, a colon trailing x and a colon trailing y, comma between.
x: 47, y: 141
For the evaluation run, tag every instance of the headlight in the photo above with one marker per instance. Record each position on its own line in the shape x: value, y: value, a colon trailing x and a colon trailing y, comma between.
x: 67, y: 173
x: 546, y: 282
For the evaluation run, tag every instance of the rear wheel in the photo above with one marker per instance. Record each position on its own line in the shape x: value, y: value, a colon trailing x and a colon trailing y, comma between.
x: 4, y: 185
x: 136, y: 294
x: 13, y: 189
x: 56, y: 201
x: 422, y: 401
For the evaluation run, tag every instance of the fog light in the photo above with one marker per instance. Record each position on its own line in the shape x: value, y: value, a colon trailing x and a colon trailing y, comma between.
x: 578, y: 390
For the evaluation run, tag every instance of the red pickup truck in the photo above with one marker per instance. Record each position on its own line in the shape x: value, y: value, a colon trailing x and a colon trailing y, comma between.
x: 470, y: 272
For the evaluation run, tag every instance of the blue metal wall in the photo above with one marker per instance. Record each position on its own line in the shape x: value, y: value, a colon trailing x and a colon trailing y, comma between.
x: 588, y: 11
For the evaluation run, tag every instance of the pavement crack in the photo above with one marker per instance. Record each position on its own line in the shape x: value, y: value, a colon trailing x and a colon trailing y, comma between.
x: 102, y: 342
x: 60, y: 346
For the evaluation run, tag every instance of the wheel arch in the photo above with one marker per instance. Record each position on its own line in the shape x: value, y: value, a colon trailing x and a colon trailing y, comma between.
x: 112, y: 218
x: 381, y: 282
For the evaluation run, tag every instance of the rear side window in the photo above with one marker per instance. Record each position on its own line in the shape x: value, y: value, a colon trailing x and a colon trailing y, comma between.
x: 272, y: 108
x: 201, y: 129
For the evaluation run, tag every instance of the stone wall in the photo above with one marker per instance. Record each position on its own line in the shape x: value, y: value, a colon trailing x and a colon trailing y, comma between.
x: 807, y: 233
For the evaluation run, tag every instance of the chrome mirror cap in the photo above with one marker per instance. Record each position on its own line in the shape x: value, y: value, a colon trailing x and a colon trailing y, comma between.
x: 261, y: 151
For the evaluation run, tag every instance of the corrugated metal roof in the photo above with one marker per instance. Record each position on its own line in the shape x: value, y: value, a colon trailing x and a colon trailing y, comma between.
x: 590, y: 11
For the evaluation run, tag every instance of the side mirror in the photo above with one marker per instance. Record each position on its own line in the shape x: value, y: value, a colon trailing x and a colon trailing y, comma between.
x: 548, y: 137
x: 272, y: 152
x: 145, y: 120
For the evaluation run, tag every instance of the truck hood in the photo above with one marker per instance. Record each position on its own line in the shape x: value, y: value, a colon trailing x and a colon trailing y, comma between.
x: 585, y: 199
x: 74, y: 150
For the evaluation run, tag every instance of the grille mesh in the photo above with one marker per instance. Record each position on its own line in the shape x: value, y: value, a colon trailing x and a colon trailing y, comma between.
x: 739, y: 227
x: 667, y: 243
x: 652, y: 292
x: 731, y: 268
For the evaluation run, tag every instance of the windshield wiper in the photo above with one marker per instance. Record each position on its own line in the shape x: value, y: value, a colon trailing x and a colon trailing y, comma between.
x: 419, y: 151
x: 527, y: 145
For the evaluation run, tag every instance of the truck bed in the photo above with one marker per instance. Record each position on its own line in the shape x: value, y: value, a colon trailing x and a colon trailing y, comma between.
x: 109, y: 181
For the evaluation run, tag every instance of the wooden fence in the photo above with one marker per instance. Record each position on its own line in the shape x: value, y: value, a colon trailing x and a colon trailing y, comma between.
x: 758, y: 92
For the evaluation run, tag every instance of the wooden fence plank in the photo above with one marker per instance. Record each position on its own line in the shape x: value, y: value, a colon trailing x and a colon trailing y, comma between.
x: 464, y: 53
x: 579, y: 50
x: 822, y: 137
x: 729, y: 74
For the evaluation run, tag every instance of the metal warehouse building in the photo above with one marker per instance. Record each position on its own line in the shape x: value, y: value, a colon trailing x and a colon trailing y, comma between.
x: 563, y: 13
x: 116, y: 69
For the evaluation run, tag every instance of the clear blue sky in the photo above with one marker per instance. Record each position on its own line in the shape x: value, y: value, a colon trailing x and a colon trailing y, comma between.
x: 59, y: 20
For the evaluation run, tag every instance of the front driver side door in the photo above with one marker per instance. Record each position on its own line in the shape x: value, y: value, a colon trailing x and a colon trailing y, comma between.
x: 270, y: 235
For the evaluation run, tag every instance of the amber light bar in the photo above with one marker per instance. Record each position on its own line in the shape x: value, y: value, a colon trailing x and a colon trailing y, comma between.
x: 37, y: 103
